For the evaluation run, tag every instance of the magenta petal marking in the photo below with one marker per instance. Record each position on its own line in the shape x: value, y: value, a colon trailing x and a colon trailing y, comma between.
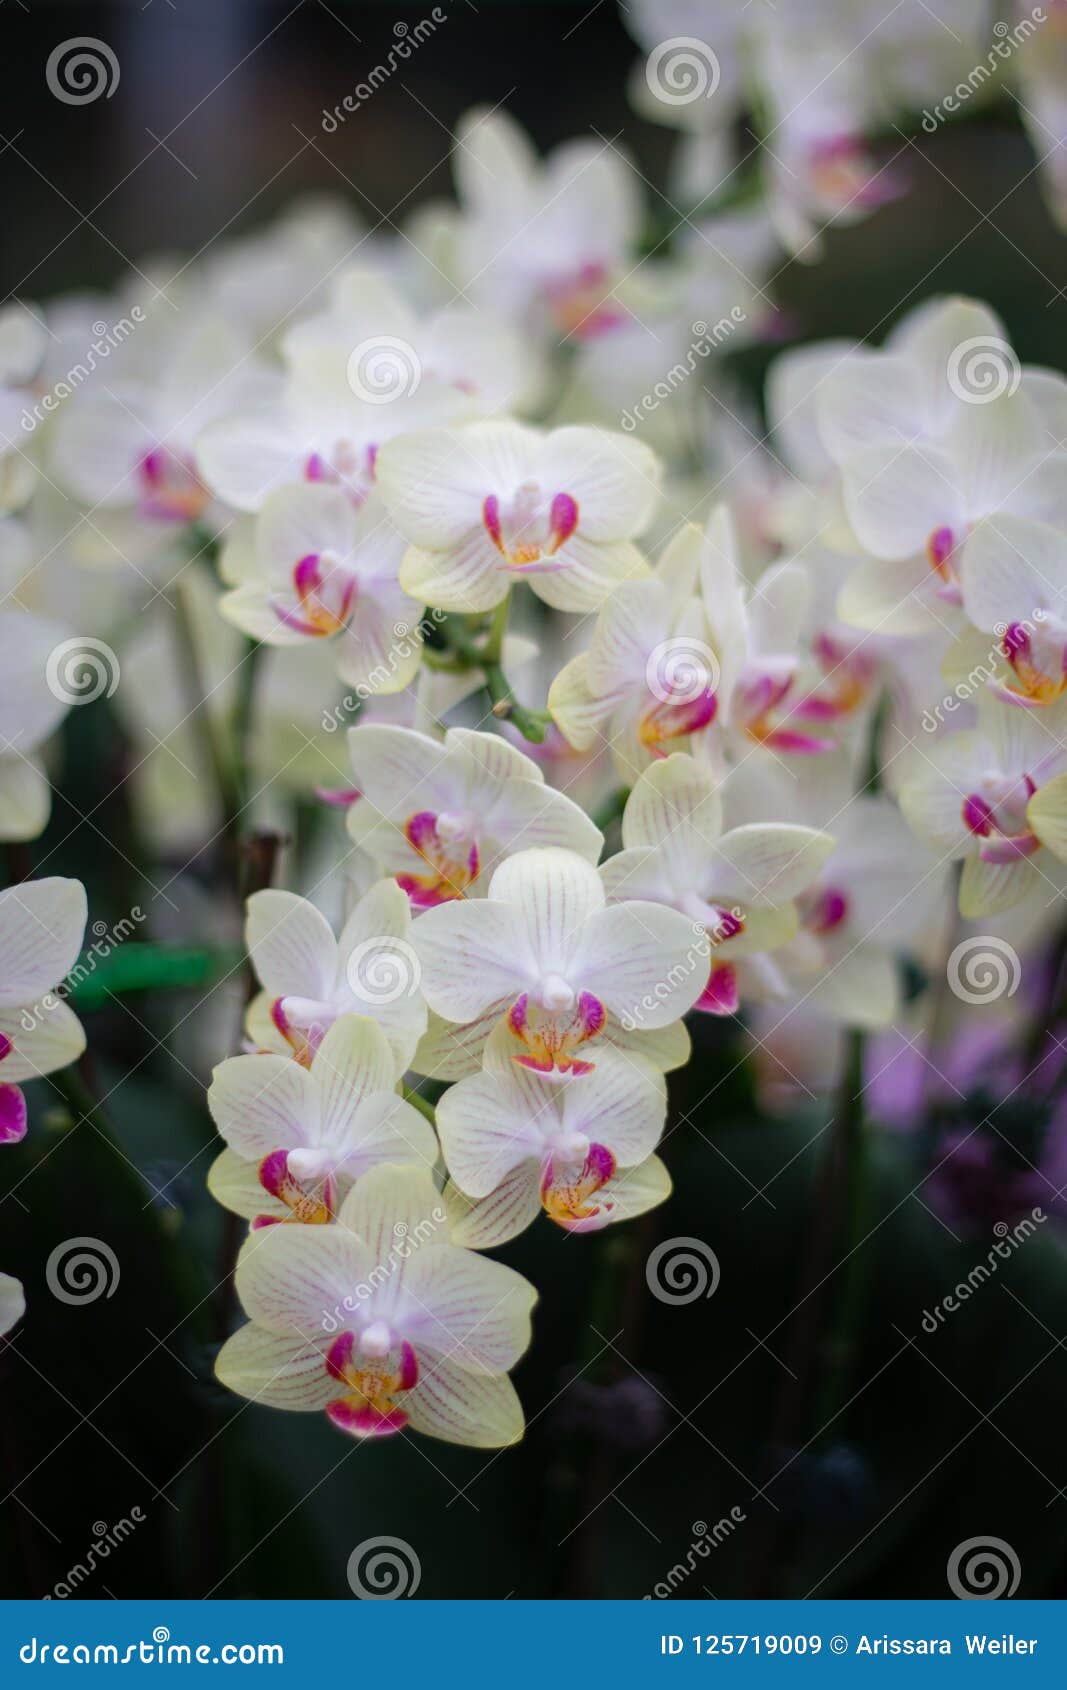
x: 5, y: 1046
x: 421, y: 830
x: 563, y: 519
x: 802, y: 745
x: 279, y: 1017
x: 518, y: 1014
x: 306, y: 574
x: 339, y: 1354
x: 315, y: 468
x: 721, y: 995
x: 340, y: 797
x: 408, y: 1373
x: 12, y: 1115
x: 600, y: 1163
x: 940, y: 547
x: 978, y: 815
x: 828, y: 911
x: 491, y: 517
x: 364, y: 1419
x: 274, y: 1173
x: 591, y: 1014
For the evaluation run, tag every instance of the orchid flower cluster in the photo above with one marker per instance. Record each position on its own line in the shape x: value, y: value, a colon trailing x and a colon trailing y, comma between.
x: 613, y: 682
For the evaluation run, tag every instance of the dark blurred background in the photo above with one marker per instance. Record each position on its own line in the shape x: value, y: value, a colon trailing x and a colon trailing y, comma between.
x: 678, y: 1415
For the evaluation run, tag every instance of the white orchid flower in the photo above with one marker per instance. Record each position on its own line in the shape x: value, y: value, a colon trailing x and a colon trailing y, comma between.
x: 739, y: 887
x: 441, y: 815
x: 650, y: 678
x: 569, y: 976
x: 299, y: 1137
x: 542, y: 242
x: 875, y: 893
x: 309, y: 977
x: 492, y: 504
x: 312, y: 566
x: 41, y: 928
x: 380, y: 1321
x: 993, y: 797
x: 579, y: 1148
x: 131, y: 447
x: 773, y: 692
x: 355, y: 377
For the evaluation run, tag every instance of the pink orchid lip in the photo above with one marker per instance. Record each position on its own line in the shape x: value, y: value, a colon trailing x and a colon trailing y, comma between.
x: 666, y: 720
x: 369, y: 1407
x: 552, y: 1037
x: 823, y: 911
x: 845, y: 171
x: 941, y: 550
x: 309, y: 1207
x: 525, y: 539
x: 1036, y: 686
x: 453, y: 863
x: 353, y: 468
x: 848, y: 677
x: 581, y: 305
x: 324, y: 597
x: 171, y: 489
x: 305, y: 1036
x: 566, y: 1190
x: 999, y: 845
x: 757, y: 701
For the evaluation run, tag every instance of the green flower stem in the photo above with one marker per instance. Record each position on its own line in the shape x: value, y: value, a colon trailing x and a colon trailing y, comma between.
x: 222, y: 771
x: 486, y: 655
x: 422, y: 1104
